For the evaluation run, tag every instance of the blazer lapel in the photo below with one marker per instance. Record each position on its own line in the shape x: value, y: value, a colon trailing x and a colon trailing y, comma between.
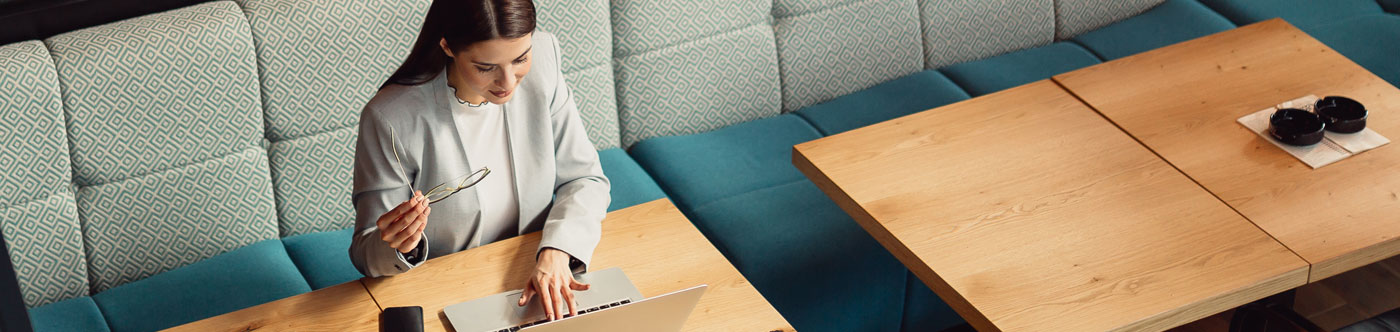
x: 443, y: 109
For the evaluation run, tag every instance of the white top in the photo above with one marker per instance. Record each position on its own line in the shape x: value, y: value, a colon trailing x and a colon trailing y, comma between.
x: 483, y: 132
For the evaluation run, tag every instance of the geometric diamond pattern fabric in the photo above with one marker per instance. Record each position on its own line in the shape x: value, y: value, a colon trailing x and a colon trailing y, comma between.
x: 173, y: 88
x: 699, y: 86
x: 321, y: 61
x: 311, y: 177
x: 957, y: 31
x: 838, y: 50
x: 142, y: 226
x: 644, y: 25
x: 585, y: 44
x: 46, y: 247
x: 1073, y: 17
x: 34, y: 155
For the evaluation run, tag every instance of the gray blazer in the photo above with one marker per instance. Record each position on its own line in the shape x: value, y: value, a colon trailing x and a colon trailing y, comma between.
x: 560, y: 184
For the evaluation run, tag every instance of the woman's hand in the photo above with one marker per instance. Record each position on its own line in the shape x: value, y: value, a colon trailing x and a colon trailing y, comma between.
x: 554, y: 282
x: 403, y: 226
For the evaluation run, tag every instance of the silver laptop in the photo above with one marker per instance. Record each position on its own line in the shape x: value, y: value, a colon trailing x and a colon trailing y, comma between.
x: 611, y: 303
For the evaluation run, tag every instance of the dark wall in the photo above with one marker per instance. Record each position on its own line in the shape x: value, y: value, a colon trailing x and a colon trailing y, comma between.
x: 22, y: 20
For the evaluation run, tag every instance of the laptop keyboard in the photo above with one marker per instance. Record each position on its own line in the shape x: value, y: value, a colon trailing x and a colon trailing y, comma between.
x: 584, y: 311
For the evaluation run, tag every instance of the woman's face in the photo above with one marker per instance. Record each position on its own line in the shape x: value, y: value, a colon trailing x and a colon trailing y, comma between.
x: 491, y: 69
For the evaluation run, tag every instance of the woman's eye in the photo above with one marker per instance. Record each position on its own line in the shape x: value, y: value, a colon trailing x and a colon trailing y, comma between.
x: 521, y: 60
x: 484, y: 69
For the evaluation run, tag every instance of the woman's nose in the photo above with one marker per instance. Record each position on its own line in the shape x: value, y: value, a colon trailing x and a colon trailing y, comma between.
x: 507, y: 79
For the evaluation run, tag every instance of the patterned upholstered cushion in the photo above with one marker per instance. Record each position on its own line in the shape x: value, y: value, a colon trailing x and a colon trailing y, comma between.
x: 173, y: 89
x: 836, y: 50
x: 311, y: 178
x: 1073, y: 17
x: 644, y: 25
x: 956, y: 31
x: 699, y: 86
x: 46, y: 247
x: 585, y: 41
x: 143, y: 226
x: 321, y: 61
x: 34, y: 157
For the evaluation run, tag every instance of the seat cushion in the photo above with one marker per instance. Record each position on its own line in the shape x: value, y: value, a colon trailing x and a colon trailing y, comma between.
x: 1372, y: 41
x: 1385, y: 322
x: 899, y: 97
x: 1016, y: 68
x: 323, y: 257
x: 701, y: 168
x: 75, y: 314
x: 1301, y: 13
x: 630, y: 184
x: 808, y: 258
x: 1171, y: 22
x: 258, y: 273
x: 924, y: 310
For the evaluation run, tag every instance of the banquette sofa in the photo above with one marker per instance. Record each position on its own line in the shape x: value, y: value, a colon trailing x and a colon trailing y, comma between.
x: 187, y: 163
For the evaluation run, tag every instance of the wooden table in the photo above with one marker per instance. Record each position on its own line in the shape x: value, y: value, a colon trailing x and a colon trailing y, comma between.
x: 1182, y: 101
x: 653, y: 243
x: 343, y: 307
x: 1025, y: 210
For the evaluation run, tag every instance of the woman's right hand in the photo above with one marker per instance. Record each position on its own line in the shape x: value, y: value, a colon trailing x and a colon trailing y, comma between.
x: 403, y: 226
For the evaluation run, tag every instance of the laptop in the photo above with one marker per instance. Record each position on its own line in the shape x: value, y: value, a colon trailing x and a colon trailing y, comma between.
x: 611, y: 303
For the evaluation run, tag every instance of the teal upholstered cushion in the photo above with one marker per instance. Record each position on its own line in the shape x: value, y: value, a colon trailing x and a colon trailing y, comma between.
x: 76, y: 314
x: 903, y: 96
x: 323, y: 257
x: 1073, y: 17
x: 34, y: 161
x: 686, y: 67
x: 924, y: 310
x: 321, y: 61
x: 1302, y: 13
x: 701, y: 168
x: 585, y: 38
x: 837, y: 48
x: 46, y: 247
x: 1172, y: 22
x: 807, y: 257
x: 172, y: 88
x: 956, y: 31
x: 1372, y: 41
x: 311, y: 180
x: 248, y: 276
x: 150, y: 224
x: 1013, y: 69
x: 630, y: 184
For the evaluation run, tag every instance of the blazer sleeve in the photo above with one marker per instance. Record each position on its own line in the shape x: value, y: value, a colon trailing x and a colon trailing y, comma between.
x: 380, y: 184
x: 581, y: 191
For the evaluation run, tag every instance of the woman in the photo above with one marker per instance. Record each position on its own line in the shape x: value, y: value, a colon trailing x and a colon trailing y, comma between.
x: 481, y: 88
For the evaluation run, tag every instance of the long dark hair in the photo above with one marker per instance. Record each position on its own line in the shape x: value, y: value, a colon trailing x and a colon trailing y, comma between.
x: 462, y: 23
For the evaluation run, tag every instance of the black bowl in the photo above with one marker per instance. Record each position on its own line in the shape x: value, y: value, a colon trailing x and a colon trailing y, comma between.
x: 1341, y: 114
x: 1296, y: 127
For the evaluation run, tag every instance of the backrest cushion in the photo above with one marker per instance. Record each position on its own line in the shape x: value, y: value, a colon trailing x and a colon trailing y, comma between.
x: 831, y: 48
x: 320, y: 62
x: 584, y: 30
x: 956, y: 31
x: 1073, y: 17
x: 37, y: 211
x: 685, y: 67
x: 166, y: 132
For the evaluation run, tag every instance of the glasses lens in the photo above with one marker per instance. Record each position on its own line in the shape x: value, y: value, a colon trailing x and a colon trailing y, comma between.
x: 437, y: 193
x: 471, y: 179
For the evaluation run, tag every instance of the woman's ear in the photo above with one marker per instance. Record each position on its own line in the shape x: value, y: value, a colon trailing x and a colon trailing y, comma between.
x: 443, y: 42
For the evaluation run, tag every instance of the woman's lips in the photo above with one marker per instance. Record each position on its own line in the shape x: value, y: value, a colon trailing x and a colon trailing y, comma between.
x: 500, y: 94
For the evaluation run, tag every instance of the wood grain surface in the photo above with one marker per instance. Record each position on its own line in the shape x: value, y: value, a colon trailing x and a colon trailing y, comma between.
x: 653, y: 243
x: 343, y: 307
x: 1027, y: 211
x: 1182, y: 101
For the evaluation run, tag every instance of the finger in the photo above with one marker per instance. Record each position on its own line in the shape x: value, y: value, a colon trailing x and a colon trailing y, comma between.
x: 569, y: 299
x: 559, y: 303
x: 547, y: 299
x: 577, y: 285
x: 398, y: 226
x: 525, y: 296
x: 393, y: 214
x: 400, y: 240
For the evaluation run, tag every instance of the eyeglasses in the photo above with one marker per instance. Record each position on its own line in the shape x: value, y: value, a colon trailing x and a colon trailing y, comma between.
x: 446, y: 189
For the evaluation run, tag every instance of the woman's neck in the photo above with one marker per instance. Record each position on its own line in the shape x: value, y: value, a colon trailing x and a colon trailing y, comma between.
x: 456, y: 82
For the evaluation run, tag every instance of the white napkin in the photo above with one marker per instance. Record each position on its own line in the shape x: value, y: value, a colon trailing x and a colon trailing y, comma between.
x: 1334, y: 146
